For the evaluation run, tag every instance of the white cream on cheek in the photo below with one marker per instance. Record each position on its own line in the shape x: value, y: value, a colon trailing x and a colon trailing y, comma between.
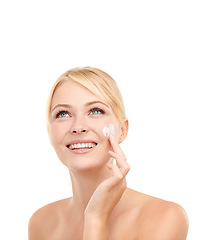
x: 107, y: 130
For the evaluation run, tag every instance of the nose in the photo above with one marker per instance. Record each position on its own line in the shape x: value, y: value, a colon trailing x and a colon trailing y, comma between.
x: 79, y: 127
x: 78, y: 131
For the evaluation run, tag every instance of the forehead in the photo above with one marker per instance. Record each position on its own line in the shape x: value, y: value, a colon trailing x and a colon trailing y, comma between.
x: 70, y: 91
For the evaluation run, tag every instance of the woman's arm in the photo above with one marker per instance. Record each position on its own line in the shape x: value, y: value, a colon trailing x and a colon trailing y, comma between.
x: 106, y: 196
x: 95, y: 229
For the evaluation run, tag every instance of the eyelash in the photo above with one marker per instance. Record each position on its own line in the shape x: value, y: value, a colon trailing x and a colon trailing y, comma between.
x: 97, y: 109
x: 60, y: 112
x: 90, y: 112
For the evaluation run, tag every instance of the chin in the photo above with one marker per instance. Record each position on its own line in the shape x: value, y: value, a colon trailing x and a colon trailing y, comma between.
x: 84, y: 164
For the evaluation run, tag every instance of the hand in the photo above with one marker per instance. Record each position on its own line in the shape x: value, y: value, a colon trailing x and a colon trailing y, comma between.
x: 109, y: 192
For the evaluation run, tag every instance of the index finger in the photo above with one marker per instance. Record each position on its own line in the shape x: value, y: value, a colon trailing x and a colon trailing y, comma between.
x: 116, y: 147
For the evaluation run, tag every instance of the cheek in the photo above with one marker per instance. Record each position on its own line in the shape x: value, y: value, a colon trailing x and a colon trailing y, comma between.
x: 98, y: 129
x: 56, y: 133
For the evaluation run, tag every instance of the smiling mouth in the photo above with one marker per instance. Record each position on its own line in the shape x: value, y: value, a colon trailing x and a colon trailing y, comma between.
x: 81, y: 146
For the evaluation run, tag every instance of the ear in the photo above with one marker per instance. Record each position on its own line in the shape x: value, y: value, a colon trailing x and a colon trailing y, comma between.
x: 124, y: 130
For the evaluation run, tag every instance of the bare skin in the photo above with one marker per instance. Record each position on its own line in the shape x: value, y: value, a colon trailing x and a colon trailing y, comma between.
x: 102, y: 207
x: 140, y: 217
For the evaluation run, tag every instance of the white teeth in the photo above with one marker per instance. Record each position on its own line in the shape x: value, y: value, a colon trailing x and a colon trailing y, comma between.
x: 81, y: 145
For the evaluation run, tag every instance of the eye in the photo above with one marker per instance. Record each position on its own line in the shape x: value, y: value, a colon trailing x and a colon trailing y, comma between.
x: 96, y: 111
x: 62, y: 114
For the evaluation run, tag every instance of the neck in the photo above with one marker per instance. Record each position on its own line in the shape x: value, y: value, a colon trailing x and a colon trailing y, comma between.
x: 84, y: 184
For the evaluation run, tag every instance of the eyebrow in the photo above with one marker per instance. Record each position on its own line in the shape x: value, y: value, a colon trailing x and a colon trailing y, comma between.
x: 93, y: 102
x: 70, y: 106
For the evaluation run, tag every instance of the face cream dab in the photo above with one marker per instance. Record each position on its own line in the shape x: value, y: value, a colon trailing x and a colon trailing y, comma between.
x: 107, y: 130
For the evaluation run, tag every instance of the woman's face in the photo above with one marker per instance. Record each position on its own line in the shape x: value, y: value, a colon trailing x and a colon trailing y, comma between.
x: 77, y: 120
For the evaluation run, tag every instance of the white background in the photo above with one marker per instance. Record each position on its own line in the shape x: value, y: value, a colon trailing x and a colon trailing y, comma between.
x: 155, y: 50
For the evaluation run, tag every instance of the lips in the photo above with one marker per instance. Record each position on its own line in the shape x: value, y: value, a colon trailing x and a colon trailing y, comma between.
x: 82, y: 144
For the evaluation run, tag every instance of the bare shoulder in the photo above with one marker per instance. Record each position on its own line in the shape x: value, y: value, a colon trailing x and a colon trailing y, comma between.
x: 173, y: 221
x: 159, y: 219
x: 44, y: 222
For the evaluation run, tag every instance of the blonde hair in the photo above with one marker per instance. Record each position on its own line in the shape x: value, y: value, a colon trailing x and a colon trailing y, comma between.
x: 98, y: 82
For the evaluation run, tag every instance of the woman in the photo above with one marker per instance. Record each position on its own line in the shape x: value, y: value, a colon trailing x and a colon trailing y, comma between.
x: 86, y: 124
